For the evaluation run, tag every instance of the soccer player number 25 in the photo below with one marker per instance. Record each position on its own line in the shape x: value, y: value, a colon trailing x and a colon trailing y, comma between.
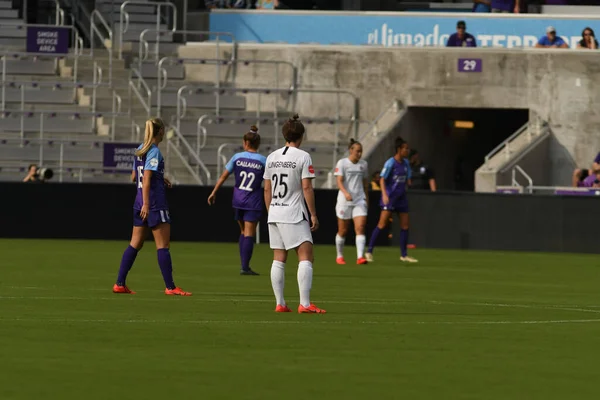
x: 249, y: 177
x: 280, y: 187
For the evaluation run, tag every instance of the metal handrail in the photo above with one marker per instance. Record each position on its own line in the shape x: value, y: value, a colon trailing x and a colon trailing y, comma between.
x: 194, y: 155
x: 505, y: 144
x: 524, y: 174
x: 59, y: 14
x: 395, y: 104
x: 136, y: 89
x: 221, y: 159
x: 94, y: 29
x: 354, y: 119
x: 125, y: 14
x: 144, y: 46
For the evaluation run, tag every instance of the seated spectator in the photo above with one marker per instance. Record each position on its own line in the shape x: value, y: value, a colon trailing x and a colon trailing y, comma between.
x: 588, y: 40
x: 551, y: 40
x: 506, y: 6
x: 229, y: 4
x: 422, y: 175
x: 267, y: 4
x: 461, y: 38
x: 580, y: 174
x: 482, y: 6
x: 591, y: 181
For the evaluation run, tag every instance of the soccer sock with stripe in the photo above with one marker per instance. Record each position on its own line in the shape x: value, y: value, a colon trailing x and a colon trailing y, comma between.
x: 404, y: 242
x: 339, y: 245
x: 127, y: 261
x: 305, y: 273
x: 246, y: 252
x: 166, y: 267
x: 361, y: 240
x: 374, y: 235
x: 278, y: 281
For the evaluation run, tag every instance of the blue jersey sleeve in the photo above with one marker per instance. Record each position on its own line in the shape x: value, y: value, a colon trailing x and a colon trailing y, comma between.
x: 559, y: 41
x: 231, y: 163
x: 387, y: 168
x: 153, y: 158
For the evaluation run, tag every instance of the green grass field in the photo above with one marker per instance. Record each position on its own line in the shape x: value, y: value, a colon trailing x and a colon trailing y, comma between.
x: 460, y: 325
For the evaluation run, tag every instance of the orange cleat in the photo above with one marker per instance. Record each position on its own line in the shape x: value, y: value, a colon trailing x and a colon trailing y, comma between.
x: 340, y: 261
x: 281, y: 308
x: 122, y: 289
x: 361, y: 261
x: 312, y: 309
x: 176, y: 292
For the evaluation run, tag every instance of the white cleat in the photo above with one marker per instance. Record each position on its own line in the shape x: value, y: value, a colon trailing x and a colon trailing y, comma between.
x: 369, y: 257
x: 408, y: 260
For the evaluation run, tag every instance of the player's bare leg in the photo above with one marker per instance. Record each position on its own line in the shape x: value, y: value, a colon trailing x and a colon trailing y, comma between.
x: 247, y: 247
x: 340, y: 240
x: 305, y: 274
x: 404, y: 223
x: 162, y: 237
x: 278, y: 279
x: 384, y: 220
x: 138, y: 236
x: 360, y: 224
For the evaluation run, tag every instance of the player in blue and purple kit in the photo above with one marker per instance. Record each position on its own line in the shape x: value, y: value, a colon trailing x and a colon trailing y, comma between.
x: 248, y: 201
x: 395, y: 176
x: 150, y: 210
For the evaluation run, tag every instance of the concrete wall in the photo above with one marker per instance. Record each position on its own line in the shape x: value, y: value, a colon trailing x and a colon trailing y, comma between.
x: 561, y: 86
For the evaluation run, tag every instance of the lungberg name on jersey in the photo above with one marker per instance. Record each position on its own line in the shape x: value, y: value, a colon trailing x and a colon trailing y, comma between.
x: 282, y: 164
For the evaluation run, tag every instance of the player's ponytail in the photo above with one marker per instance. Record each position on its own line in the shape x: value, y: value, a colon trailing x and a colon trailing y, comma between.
x: 153, y: 127
x: 352, y: 143
x: 252, y: 138
x: 293, y: 130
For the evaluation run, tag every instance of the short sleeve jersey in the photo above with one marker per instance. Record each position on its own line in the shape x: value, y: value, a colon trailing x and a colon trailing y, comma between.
x: 396, y: 175
x: 354, y: 176
x: 286, y: 167
x: 152, y: 161
x: 420, y: 176
x: 545, y: 41
x: 248, y: 169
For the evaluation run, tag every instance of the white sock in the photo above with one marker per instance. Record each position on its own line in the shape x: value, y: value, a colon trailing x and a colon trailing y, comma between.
x: 361, y: 241
x: 339, y: 245
x: 305, y: 272
x: 278, y: 280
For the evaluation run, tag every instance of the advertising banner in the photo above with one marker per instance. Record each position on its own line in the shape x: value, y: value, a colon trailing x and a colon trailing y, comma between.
x: 119, y: 156
x: 396, y: 29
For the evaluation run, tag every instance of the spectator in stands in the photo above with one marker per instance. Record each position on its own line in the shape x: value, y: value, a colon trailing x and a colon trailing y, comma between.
x: 422, y: 175
x: 551, y: 40
x: 506, y: 6
x: 375, y: 182
x: 588, y: 40
x: 32, y: 175
x: 580, y: 174
x: 229, y: 4
x: 461, y: 38
x: 482, y: 6
x: 267, y: 4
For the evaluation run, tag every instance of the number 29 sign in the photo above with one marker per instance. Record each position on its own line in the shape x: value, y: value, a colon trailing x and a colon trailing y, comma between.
x: 469, y: 65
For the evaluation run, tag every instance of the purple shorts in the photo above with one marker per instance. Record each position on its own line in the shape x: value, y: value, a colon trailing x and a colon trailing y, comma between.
x: 247, y: 215
x: 397, y: 205
x: 154, y: 218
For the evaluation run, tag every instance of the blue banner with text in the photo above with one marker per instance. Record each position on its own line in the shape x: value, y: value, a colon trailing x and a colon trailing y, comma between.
x: 396, y: 29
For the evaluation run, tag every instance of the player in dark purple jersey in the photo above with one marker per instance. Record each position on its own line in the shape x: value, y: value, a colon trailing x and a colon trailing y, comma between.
x: 395, y: 176
x: 150, y: 210
x: 248, y: 201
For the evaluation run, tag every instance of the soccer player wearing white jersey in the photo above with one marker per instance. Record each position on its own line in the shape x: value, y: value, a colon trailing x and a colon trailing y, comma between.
x: 288, y: 184
x: 352, y: 202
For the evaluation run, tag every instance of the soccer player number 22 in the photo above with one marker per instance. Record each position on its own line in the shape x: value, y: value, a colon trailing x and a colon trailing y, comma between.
x: 469, y: 65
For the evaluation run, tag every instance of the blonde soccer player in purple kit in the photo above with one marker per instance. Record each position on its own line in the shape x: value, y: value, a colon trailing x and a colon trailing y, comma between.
x: 150, y: 210
x: 248, y: 201
x: 395, y: 176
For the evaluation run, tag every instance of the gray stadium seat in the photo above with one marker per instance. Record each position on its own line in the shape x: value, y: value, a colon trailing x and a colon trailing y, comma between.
x: 31, y: 152
x: 51, y: 125
x: 203, y: 101
x: 41, y: 95
x: 30, y: 67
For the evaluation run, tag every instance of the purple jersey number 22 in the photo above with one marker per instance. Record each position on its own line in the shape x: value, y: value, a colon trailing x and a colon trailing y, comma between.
x: 469, y: 65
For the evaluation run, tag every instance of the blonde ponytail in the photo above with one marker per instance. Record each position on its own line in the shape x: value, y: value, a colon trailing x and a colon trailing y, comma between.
x: 153, y: 127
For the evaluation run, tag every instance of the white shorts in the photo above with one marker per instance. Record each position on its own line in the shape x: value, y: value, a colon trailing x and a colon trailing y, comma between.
x: 283, y: 236
x: 350, y: 211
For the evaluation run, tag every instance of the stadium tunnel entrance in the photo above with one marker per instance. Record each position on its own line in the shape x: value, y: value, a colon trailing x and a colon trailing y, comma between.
x: 453, y: 141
